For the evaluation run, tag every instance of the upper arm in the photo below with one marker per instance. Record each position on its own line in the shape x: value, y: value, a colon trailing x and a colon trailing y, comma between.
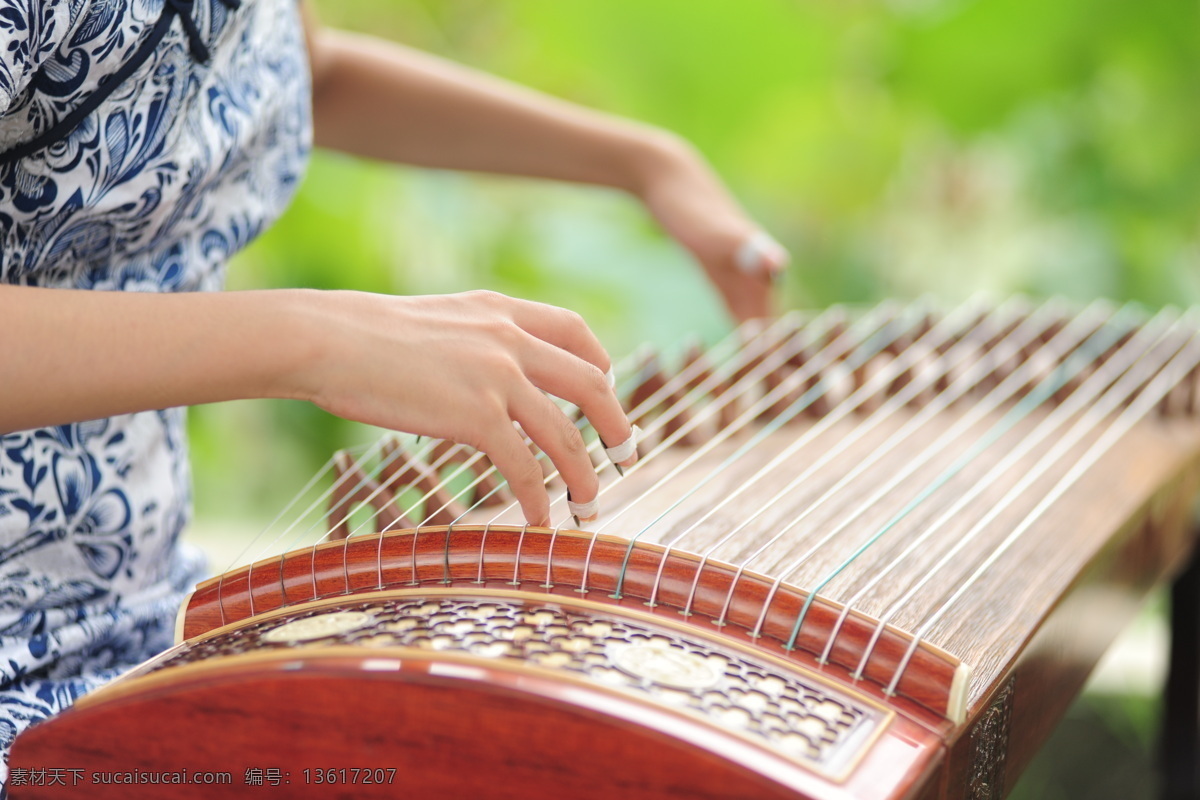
x: 318, y: 53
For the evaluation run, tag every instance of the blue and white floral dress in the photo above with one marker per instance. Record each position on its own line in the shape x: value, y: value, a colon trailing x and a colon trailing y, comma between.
x: 184, y: 162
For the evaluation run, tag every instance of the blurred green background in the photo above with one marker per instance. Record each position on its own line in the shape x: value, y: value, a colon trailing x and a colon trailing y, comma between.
x: 897, y: 148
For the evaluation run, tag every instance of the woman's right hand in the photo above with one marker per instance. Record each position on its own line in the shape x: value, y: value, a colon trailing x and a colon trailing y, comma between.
x: 460, y: 367
x: 464, y: 367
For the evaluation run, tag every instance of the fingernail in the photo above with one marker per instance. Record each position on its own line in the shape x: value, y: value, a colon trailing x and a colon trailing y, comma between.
x: 625, y: 454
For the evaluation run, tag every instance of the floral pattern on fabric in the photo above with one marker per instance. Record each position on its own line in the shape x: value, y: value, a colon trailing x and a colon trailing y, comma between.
x: 180, y: 167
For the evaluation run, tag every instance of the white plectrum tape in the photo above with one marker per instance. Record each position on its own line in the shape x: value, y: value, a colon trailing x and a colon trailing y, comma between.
x: 626, y: 449
x: 585, y: 511
x: 751, y: 255
x: 612, y: 378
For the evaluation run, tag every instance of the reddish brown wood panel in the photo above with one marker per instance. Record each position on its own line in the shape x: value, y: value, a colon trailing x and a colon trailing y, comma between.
x: 445, y: 730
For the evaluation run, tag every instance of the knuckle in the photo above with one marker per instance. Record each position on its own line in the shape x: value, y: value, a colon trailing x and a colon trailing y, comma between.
x: 595, y: 381
x: 507, y: 333
x: 493, y: 427
x: 528, y: 474
x: 578, y: 330
x: 574, y: 320
x: 487, y: 297
x: 509, y: 372
x: 476, y: 440
x: 570, y: 439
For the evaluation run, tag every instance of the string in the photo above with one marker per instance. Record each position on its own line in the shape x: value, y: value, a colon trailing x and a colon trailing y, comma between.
x: 381, y: 487
x: 772, y: 337
x: 590, y: 448
x: 317, y: 477
x: 359, y: 466
x: 1185, y: 360
x: 433, y: 468
x: 413, y: 461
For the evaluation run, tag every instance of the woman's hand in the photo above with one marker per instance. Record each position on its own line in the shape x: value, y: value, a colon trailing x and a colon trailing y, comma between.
x: 692, y: 204
x: 465, y: 367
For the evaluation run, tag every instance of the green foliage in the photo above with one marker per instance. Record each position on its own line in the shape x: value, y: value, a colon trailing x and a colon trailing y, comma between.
x: 898, y: 148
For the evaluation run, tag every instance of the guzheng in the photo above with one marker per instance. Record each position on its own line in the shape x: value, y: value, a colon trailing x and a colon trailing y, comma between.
x: 863, y: 555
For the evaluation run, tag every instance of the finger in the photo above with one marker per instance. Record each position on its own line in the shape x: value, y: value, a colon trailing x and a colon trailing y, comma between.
x: 562, y: 328
x: 511, y: 456
x: 563, y: 375
x: 551, y: 430
x: 746, y: 297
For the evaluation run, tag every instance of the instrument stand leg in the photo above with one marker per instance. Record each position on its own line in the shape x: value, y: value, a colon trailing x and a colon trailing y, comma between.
x: 1181, y: 703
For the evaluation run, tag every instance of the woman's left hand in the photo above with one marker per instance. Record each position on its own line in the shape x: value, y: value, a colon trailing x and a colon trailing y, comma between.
x: 682, y: 192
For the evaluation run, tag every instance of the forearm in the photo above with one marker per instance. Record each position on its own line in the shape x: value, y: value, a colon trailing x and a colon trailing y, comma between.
x: 75, y: 355
x: 386, y: 101
x: 458, y: 367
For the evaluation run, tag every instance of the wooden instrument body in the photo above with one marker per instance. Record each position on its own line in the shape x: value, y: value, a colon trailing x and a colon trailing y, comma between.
x: 488, y: 660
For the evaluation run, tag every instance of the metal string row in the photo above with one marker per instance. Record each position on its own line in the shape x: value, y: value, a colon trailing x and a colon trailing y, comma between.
x: 1178, y: 368
x: 1084, y: 399
x: 987, y: 364
x: 1099, y: 342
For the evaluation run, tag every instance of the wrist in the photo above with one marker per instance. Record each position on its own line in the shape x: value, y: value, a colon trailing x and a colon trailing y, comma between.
x: 655, y: 154
x: 295, y: 335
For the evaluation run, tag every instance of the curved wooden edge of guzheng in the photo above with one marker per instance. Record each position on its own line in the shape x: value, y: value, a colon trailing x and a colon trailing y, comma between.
x: 479, y: 692
x: 557, y: 564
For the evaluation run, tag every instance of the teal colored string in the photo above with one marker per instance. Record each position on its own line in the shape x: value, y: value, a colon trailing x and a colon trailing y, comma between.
x: 1086, y: 354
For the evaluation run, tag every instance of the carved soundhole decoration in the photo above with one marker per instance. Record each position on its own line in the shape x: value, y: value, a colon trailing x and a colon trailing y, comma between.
x: 805, y: 721
x: 320, y: 626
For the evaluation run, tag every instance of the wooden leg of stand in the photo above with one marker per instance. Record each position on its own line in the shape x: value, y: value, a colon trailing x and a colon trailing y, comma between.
x: 1181, y: 705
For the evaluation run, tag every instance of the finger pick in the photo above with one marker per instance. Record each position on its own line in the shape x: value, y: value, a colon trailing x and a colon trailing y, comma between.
x: 583, y: 512
x: 760, y: 253
x: 625, y: 454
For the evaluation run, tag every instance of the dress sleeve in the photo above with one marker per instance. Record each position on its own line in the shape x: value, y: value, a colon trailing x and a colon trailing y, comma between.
x: 30, y: 32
